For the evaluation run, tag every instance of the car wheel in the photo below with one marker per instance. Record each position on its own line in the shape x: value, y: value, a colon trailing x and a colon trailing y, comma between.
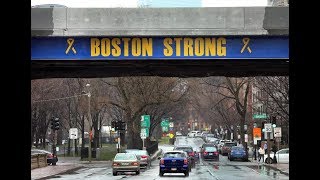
x: 268, y: 161
x: 114, y: 173
x: 186, y: 173
x: 54, y: 163
x: 161, y: 173
x: 138, y: 172
x: 231, y: 159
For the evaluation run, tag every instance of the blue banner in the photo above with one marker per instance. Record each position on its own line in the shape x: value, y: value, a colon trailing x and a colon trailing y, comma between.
x: 155, y: 48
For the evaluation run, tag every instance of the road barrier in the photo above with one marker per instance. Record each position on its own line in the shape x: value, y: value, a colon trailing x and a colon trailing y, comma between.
x: 38, y: 160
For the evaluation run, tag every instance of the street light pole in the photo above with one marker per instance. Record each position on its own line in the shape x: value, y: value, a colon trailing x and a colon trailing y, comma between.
x: 89, y: 116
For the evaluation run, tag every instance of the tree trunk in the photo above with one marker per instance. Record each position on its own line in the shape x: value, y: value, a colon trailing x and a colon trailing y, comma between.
x: 82, y: 133
x: 76, y: 146
x: 69, y: 143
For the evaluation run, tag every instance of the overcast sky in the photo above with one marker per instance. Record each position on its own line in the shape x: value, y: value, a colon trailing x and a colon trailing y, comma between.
x: 152, y: 3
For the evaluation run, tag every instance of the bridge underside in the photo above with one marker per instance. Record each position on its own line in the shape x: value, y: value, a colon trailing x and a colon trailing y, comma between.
x: 128, y: 22
x: 165, y: 68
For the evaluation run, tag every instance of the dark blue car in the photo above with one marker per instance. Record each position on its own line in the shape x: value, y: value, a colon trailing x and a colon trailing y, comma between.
x: 237, y: 153
x: 174, y: 162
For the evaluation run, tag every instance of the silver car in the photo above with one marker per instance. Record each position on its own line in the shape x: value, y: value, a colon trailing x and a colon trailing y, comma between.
x: 125, y: 162
x: 143, y: 157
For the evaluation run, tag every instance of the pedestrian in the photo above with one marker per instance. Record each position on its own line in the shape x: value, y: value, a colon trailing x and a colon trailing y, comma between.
x: 261, y: 153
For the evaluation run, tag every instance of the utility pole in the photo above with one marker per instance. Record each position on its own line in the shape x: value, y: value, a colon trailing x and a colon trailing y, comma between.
x: 90, y: 128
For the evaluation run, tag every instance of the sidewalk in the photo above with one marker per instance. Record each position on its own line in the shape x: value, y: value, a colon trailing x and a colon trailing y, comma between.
x: 61, y: 167
x: 66, y: 164
x: 284, y: 168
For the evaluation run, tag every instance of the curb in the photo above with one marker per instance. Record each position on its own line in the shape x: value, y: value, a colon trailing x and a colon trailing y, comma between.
x: 274, y: 168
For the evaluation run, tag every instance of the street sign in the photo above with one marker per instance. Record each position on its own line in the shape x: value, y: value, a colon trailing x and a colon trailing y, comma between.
x: 73, y: 133
x: 145, y: 121
x: 144, y: 133
x: 277, y: 132
x: 260, y: 116
x: 165, y: 123
x: 171, y: 124
x: 245, y: 137
x: 165, y: 129
x: 268, y: 127
x: 256, y: 135
x: 171, y: 135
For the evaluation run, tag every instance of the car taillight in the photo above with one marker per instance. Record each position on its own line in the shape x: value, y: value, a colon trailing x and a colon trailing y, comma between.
x: 144, y: 156
x: 50, y: 155
x: 205, y: 152
x: 115, y: 164
x: 216, y: 153
x: 185, y: 161
x: 134, y: 164
x: 161, y: 161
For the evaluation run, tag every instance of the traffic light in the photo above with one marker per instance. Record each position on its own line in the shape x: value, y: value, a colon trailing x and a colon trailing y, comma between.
x: 52, y: 123
x: 113, y: 124
x: 122, y: 125
x: 56, y: 124
x: 274, y: 120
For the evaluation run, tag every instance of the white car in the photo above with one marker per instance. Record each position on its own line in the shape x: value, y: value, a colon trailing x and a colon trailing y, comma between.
x: 194, y: 133
x: 282, y: 156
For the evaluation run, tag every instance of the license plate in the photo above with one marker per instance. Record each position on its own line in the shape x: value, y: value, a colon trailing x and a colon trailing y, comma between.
x: 210, y: 153
x: 125, y: 164
x: 173, y: 169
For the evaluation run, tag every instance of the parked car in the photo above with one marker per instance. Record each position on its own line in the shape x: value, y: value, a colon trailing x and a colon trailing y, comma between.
x: 178, y: 133
x: 226, y: 148
x: 51, y: 159
x: 282, y: 156
x: 142, y: 155
x: 191, y: 153
x: 174, y: 162
x: 237, y: 152
x: 210, y: 152
x: 125, y: 162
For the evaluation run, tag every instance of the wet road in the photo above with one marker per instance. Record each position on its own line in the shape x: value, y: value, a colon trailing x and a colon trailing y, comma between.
x: 224, y: 169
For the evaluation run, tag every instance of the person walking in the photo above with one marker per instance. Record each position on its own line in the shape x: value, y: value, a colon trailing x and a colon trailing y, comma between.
x: 261, y: 153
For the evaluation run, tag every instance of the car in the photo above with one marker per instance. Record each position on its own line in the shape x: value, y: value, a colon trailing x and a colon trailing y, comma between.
x: 174, y: 162
x: 282, y: 156
x: 143, y: 156
x: 210, y: 152
x: 125, y: 162
x: 194, y: 133
x: 226, y: 148
x: 178, y: 133
x: 51, y: 159
x: 190, y: 152
x: 221, y: 143
x: 237, y: 152
x: 206, y: 145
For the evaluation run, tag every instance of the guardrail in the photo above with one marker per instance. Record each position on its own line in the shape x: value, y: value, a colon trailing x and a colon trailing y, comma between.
x: 38, y: 160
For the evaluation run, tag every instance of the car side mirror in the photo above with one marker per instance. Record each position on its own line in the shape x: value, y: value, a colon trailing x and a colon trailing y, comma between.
x: 159, y: 158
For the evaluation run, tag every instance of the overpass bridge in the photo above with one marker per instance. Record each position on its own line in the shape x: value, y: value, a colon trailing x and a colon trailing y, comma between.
x: 184, y: 42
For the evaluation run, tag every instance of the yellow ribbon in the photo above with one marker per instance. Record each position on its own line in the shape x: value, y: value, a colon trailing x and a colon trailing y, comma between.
x: 245, y: 45
x: 70, y: 42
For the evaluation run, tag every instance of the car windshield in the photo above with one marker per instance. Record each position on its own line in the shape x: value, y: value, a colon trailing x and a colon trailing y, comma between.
x: 125, y: 157
x: 210, y: 148
x: 174, y: 155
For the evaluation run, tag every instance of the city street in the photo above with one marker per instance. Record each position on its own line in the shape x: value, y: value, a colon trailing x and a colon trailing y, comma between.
x: 224, y: 169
